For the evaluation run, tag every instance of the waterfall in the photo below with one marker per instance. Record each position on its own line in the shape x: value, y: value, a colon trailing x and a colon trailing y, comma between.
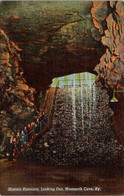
x: 87, y: 98
x: 82, y: 102
x: 90, y: 102
x: 73, y: 106
x: 94, y: 97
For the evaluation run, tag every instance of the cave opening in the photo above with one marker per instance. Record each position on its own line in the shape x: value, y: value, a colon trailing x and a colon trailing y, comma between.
x: 80, y: 131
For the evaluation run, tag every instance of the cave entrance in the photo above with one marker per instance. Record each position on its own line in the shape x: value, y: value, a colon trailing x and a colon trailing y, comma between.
x: 79, y: 131
x: 76, y: 79
x: 75, y: 100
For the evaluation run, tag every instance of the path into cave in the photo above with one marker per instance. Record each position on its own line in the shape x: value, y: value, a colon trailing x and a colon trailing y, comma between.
x: 80, y: 133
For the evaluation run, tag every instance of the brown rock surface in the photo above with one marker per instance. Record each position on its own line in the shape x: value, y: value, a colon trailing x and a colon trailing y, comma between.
x: 111, y: 66
x: 16, y: 96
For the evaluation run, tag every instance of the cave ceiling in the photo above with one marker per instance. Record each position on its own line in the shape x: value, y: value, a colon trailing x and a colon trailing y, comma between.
x: 55, y: 38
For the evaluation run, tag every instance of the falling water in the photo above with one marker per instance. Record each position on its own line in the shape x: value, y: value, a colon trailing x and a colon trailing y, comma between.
x: 94, y: 97
x: 87, y: 99
x: 83, y: 98
x: 82, y: 103
x: 73, y: 106
x: 90, y: 102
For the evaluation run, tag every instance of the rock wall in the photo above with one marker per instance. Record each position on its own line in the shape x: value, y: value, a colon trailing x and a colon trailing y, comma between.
x: 17, y: 98
x: 108, y: 19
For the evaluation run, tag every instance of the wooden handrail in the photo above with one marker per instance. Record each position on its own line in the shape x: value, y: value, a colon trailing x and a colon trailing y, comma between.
x: 48, y: 124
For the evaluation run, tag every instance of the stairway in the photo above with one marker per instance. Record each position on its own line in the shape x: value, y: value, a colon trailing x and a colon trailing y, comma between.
x: 47, y: 108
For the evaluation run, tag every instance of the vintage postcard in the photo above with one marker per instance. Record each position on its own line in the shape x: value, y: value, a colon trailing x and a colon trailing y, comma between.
x: 61, y: 97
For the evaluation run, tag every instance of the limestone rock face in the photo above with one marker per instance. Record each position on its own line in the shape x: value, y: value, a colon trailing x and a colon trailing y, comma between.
x: 111, y: 66
x: 17, y: 98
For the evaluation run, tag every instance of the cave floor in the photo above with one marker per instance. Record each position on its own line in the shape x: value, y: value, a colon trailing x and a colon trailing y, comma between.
x: 30, y: 174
